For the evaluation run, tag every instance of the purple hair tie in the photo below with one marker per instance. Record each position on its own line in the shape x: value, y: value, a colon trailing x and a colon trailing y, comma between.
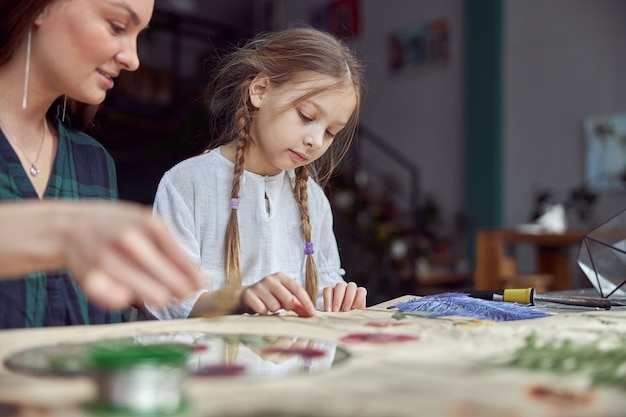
x: 234, y: 203
x: 308, y: 248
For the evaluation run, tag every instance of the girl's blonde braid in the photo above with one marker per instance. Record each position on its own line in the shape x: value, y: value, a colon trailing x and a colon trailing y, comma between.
x: 232, y: 241
x: 300, y: 193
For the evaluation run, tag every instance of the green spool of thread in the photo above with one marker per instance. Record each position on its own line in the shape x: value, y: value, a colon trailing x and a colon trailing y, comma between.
x: 140, y: 378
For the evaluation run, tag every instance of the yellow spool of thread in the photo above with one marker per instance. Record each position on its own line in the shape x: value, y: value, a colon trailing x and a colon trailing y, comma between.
x: 521, y: 295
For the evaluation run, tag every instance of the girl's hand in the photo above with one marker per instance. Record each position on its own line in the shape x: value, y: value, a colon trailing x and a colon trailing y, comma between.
x: 275, y: 292
x: 344, y: 297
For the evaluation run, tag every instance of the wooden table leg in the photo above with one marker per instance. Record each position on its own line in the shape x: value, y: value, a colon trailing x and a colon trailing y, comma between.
x: 555, y: 261
x: 492, y: 262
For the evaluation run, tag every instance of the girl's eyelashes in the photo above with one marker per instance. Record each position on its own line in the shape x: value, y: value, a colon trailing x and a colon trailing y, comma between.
x: 308, y: 119
x: 304, y: 117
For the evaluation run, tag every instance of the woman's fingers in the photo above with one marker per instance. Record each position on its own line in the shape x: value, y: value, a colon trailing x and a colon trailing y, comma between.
x: 169, y: 247
x: 146, y: 255
x: 119, y: 266
x: 133, y: 249
x: 105, y: 291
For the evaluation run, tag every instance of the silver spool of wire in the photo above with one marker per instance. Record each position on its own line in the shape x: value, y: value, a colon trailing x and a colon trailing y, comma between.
x: 140, y: 378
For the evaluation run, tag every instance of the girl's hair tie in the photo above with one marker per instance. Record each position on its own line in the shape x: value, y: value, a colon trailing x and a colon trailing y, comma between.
x: 308, y: 248
x: 234, y: 203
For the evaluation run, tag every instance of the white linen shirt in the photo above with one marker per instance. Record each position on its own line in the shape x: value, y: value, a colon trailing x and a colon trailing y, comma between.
x: 194, y: 199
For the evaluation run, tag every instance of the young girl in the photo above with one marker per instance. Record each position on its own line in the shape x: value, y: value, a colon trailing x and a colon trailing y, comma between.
x: 250, y: 211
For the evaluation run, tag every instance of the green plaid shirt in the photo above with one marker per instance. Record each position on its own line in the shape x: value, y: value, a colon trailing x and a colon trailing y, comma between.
x: 82, y: 169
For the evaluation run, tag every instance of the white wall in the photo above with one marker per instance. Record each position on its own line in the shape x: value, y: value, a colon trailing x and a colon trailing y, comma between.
x: 564, y: 60
x: 420, y: 115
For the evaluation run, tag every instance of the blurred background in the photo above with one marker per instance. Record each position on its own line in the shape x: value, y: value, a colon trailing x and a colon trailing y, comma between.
x: 478, y: 112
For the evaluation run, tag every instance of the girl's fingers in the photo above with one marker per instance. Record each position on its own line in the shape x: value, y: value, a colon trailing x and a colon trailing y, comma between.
x: 297, y: 299
x: 348, y: 297
x: 344, y: 297
x: 303, y: 311
x: 253, y: 302
x: 339, y: 293
x: 260, y: 299
x: 327, y: 293
x: 290, y: 294
x: 360, y: 298
x: 278, y: 291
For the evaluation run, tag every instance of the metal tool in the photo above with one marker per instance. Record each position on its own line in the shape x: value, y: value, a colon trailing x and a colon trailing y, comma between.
x: 530, y: 296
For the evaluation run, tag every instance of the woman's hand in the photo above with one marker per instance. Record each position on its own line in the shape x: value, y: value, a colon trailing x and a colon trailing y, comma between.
x: 120, y: 253
x: 275, y: 292
x: 344, y: 297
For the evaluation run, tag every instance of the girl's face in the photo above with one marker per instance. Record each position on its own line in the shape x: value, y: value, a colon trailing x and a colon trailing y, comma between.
x: 286, y: 136
x: 80, y: 46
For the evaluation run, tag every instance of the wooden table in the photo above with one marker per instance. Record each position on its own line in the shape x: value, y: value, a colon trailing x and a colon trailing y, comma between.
x: 448, y: 367
x: 495, y: 261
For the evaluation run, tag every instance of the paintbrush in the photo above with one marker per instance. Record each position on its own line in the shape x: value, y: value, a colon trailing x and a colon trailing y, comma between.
x: 225, y: 301
x: 530, y: 296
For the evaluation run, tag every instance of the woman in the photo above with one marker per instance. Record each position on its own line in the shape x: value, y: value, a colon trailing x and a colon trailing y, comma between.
x: 58, y: 59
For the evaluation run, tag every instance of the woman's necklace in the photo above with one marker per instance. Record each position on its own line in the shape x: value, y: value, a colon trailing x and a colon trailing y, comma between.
x: 34, y: 170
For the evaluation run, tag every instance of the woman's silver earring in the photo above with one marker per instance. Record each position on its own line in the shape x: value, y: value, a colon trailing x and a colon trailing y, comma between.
x: 64, y: 107
x: 27, y: 69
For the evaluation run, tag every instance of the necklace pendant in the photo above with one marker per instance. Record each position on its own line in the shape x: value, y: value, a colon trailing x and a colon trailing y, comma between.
x: 34, y: 171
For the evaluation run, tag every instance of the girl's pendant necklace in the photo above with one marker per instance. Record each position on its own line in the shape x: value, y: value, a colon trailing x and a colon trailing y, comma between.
x: 34, y: 170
